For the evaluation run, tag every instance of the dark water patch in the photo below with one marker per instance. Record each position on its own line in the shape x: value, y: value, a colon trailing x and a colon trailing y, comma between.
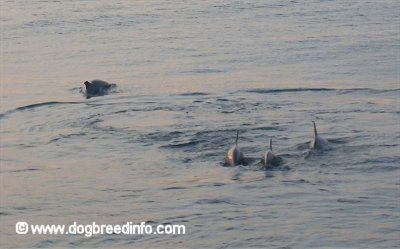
x: 127, y: 191
x: 323, y: 190
x: 62, y: 136
x: 187, y: 160
x: 348, y: 200
x: 174, y: 188
x: 19, y: 170
x: 388, y: 145
x: 228, y: 112
x: 214, y: 184
x: 218, y: 184
x: 192, y: 94
x: 269, y: 128
x: 93, y: 121
x: 127, y: 110
x: 129, y: 196
x: 215, y: 201
x: 180, y: 145
x: 205, y: 71
x: 27, y: 209
x: 297, y: 181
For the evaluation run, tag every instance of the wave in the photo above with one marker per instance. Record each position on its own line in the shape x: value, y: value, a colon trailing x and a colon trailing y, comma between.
x: 50, y: 103
x: 289, y: 90
x: 33, y: 106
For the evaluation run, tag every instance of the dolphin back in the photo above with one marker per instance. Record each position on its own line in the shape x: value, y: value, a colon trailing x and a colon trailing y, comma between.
x: 319, y: 143
x: 234, y: 156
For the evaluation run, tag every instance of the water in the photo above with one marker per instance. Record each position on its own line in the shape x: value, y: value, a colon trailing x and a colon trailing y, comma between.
x: 190, y: 74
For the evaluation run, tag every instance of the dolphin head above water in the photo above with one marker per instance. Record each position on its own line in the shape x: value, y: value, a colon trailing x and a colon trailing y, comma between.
x: 97, y: 87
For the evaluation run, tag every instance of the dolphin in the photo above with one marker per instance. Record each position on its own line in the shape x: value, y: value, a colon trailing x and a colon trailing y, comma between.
x: 269, y: 158
x: 97, y: 87
x: 318, y: 142
x: 234, y: 156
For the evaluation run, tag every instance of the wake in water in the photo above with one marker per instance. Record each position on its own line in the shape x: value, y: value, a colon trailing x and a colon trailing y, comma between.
x: 37, y: 105
x: 206, y: 145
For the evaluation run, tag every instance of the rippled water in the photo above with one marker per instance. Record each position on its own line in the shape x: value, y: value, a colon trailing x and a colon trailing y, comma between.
x: 190, y: 74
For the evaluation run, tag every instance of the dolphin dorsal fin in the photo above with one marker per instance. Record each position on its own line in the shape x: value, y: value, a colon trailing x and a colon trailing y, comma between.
x: 315, y: 129
x: 270, y: 144
x: 237, y: 137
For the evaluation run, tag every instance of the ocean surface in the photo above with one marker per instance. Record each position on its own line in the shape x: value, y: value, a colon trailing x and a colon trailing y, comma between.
x: 190, y: 74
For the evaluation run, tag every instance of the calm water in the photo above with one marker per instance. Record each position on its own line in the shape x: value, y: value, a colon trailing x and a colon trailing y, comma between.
x: 190, y: 74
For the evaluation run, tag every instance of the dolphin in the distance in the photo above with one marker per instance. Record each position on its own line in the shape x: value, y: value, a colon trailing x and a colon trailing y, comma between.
x: 234, y: 156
